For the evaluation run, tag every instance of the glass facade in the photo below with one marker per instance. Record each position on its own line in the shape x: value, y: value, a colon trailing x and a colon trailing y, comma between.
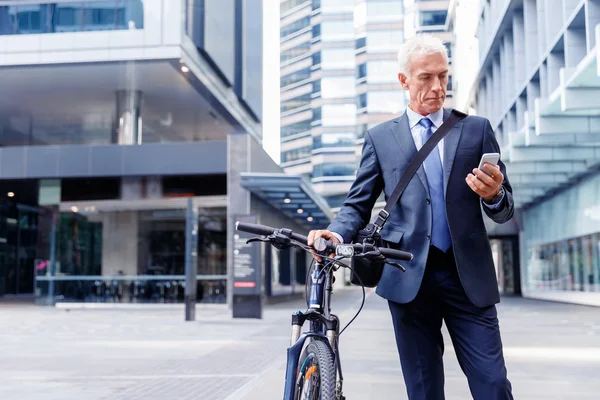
x: 432, y: 18
x: 296, y: 154
x: 81, y: 16
x: 132, y: 256
x: 562, y: 240
x: 333, y: 169
x: 334, y: 140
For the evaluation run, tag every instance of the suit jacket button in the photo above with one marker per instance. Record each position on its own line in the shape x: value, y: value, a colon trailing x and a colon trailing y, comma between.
x: 428, y: 237
x: 428, y: 200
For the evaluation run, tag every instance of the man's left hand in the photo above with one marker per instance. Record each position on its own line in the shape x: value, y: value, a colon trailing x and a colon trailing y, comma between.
x: 486, y: 186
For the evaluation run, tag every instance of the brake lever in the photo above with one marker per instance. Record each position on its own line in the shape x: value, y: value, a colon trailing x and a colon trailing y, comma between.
x: 277, y: 240
x: 395, y: 264
x: 377, y: 256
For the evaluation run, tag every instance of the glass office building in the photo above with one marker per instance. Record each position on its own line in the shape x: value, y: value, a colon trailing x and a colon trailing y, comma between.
x: 339, y: 78
x: 130, y: 141
x: 537, y: 83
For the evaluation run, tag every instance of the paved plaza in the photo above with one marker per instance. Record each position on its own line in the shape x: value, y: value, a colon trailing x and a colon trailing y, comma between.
x: 552, y: 351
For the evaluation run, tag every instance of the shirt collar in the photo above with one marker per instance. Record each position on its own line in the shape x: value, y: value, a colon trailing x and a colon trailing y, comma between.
x: 414, y: 118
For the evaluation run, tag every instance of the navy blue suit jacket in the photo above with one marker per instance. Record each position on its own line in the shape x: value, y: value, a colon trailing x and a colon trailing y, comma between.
x: 387, y: 150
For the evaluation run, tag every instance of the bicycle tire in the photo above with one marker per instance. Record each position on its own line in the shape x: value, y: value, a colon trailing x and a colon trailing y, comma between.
x: 320, y: 352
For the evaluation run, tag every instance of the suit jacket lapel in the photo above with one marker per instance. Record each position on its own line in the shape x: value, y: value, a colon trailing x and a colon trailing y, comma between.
x: 450, y: 145
x: 406, y: 142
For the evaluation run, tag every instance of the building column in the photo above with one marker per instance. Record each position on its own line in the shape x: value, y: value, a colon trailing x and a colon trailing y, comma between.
x: 129, y: 120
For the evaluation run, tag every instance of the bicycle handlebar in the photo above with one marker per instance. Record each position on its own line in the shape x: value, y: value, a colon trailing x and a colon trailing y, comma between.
x: 330, y: 246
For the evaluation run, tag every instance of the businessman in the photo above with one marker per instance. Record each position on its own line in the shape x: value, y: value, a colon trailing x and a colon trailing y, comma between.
x: 438, y: 219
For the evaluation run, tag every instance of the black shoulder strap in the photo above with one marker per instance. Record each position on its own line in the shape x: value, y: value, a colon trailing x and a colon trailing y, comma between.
x: 414, y: 165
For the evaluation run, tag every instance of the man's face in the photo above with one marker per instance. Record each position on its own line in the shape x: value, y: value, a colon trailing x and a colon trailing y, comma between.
x: 427, y: 83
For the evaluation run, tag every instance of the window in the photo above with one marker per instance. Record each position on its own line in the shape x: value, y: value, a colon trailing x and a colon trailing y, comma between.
x: 449, y: 48
x: 295, y: 27
x: 289, y: 4
x: 93, y: 15
x: 384, y: 41
x: 317, y: 114
x: 296, y: 154
x: 296, y: 102
x: 316, y: 31
x: 298, y: 127
x: 336, y: 6
x: 337, y: 59
x: 381, y: 71
x: 295, y: 77
x: 338, y: 86
x: 361, y: 102
x: 360, y: 43
x: 316, y: 86
x: 316, y: 58
x: 333, y: 169
x: 339, y: 114
x: 361, y: 71
x: 294, y: 52
x: 432, y: 18
x: 346, y: 139
x: 337, y: 30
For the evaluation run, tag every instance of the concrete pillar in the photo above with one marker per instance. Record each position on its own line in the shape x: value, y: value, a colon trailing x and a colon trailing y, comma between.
x: 592, y: 18
x: 541, y: 26
x: 520, y: 63
x: 531, y: 33
x: 238, y: 198
x: 129, y: 120
x: 575, y: 48
x: 120, y: 242
x: 556, y: 61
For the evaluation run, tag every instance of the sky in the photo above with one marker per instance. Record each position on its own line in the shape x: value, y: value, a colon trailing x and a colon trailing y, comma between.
x: 271, y: 81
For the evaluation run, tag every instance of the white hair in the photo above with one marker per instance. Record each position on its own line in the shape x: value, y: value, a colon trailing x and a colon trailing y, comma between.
x: 416, y: 46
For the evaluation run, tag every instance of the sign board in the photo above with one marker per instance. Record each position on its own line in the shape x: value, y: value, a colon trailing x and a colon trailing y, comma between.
x: 247, y: 271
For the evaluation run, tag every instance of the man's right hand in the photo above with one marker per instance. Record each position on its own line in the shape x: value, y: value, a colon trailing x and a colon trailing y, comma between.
x: 325, y: 234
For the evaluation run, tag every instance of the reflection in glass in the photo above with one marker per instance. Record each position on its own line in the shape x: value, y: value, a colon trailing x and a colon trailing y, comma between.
x: 90, y: 15
x: 134, y: 256
x: 432, y: 18
x: 296, y: 154
x: 333, y: 169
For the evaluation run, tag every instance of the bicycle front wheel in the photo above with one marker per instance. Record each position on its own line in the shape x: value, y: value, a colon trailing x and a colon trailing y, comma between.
x: 316, y: 375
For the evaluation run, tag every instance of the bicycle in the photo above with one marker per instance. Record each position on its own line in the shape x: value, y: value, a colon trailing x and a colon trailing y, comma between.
x: 314, y: 369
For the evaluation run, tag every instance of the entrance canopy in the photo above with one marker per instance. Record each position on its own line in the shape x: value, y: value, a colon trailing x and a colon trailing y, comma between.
x: 291, y: 195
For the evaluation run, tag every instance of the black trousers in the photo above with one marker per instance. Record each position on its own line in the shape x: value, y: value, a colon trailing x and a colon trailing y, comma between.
x: 474, y: 332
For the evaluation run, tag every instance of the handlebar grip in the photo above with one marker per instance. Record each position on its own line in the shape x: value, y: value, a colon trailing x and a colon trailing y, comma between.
x: 396, y: 254
x: 264, y: 230
x: 254, y: 228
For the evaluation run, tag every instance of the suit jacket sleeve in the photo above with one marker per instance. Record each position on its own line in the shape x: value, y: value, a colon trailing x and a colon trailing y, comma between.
x: 355, y: 213
x: 504, y: 211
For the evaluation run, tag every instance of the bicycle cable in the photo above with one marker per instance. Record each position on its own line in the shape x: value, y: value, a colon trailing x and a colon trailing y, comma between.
x: 331, y: 263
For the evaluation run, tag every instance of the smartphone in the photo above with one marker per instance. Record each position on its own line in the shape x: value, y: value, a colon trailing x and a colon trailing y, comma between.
x: 491, y: 158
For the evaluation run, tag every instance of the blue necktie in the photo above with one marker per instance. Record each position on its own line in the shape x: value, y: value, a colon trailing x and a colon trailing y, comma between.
x: 440, y: 235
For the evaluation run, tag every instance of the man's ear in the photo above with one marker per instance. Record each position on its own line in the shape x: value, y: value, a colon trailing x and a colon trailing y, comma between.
x: 403, y: 80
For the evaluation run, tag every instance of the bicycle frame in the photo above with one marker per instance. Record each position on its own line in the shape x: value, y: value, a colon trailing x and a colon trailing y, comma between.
x: 324, y: 326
